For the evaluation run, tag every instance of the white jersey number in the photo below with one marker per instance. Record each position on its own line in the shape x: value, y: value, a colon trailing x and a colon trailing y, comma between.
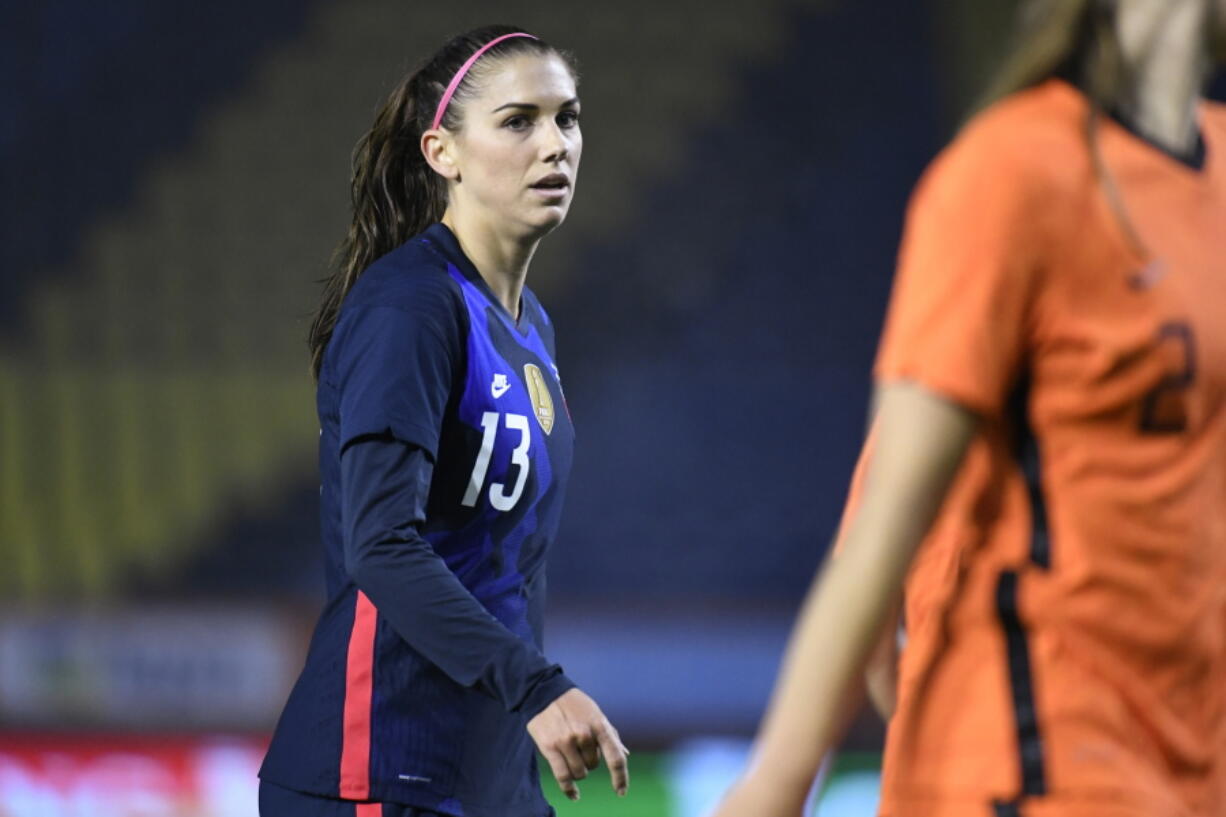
x: 499, y: 497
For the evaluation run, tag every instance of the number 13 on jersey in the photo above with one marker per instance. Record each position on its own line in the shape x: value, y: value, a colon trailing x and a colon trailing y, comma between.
x: 499, y: 498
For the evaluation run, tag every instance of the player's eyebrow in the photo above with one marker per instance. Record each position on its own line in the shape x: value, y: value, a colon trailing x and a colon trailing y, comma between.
x: 573, y: 102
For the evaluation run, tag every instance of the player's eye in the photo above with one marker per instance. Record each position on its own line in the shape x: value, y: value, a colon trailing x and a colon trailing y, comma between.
x: 568, y: 119
x: 517, y: 122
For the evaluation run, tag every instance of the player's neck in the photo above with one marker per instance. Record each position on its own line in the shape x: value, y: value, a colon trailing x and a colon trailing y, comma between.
x: 1164, y: 45
x: 501, y: 261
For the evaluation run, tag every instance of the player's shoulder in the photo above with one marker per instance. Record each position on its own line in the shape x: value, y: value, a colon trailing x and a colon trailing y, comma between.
x: 1031, y: 138
x: 1039, y: 126
x: 413, y: 277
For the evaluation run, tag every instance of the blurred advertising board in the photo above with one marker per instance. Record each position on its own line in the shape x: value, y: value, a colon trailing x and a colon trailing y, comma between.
x: 60, y: 775
x: 96, y: 775
x: 179, y: 668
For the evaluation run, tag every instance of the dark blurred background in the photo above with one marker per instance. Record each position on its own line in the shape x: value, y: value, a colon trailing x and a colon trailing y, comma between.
x: 174, y: 179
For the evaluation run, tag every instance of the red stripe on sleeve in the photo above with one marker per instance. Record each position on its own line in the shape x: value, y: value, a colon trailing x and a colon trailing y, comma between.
x: 359, y: 683
x: 368, y: 810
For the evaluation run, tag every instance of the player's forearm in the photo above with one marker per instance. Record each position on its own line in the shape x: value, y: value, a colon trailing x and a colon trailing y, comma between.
x: 414, y: 590
x: 920, y: 441
x: 435, y: 614
x: 819, y: 689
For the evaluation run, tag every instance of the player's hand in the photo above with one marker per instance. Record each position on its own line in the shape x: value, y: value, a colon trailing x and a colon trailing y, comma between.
x: 753, y: 795
x: 572, y: 733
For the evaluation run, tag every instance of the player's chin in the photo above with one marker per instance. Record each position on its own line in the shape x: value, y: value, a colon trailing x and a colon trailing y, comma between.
x: 546, y: 218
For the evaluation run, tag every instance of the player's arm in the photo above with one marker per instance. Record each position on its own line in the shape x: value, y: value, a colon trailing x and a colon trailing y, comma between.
x: 920, y: 440
x: 881, y: 672
x: 385, y: 485
x: 978, y: 230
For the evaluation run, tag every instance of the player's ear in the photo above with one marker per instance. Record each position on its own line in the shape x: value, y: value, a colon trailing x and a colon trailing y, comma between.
x: 438, y: 146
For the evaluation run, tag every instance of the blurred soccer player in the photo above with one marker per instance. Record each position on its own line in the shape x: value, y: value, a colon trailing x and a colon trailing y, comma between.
x: 445, y: 447
x: 1046, y: 472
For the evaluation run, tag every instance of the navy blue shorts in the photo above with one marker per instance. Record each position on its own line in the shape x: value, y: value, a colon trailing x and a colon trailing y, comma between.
x: 277, y: 801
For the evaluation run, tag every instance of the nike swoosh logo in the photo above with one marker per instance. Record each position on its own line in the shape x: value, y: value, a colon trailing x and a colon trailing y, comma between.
x: 499, y: 391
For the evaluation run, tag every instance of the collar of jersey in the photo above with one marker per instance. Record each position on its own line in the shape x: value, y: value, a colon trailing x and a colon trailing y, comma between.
x: 1194, y: 161
x: 440, y: 237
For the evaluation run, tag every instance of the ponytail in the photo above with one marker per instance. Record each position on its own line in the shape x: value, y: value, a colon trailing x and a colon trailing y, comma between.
x: 394, y: 193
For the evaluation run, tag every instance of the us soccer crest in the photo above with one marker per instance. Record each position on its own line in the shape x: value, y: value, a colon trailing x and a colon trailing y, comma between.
x: 542, y: 402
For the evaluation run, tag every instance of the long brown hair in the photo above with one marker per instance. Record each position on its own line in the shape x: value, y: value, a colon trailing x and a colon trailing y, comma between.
x: 394, y: 193
x: 1075, y: 39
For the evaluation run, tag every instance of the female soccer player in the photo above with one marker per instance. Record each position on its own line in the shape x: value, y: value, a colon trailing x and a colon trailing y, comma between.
x: 1047, y: 465
x: 445, y: 446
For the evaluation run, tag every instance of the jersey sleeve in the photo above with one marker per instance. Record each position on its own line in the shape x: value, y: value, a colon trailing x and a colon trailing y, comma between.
x: 958, y: 317
x: 394, y: 366
x: 384, y: 486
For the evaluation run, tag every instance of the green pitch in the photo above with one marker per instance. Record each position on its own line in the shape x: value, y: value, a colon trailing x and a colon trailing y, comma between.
x: 650, y: 789
x: 648, y: 795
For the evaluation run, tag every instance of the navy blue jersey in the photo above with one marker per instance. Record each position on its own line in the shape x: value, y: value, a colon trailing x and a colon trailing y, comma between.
x: 445, y: 446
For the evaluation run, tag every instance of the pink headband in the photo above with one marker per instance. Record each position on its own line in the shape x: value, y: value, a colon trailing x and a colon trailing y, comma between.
x: 459, y: 76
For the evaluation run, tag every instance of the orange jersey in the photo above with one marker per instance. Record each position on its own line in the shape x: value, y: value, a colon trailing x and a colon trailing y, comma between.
x: 1067, y: 632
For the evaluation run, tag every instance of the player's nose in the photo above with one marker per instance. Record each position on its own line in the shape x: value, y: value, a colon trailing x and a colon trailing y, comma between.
x: 553, y: 143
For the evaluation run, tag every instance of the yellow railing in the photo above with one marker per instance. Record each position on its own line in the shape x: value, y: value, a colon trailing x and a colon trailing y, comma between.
x: 108, y: 475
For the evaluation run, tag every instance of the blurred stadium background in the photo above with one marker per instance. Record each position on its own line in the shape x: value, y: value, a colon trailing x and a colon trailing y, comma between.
x: 174, y: 180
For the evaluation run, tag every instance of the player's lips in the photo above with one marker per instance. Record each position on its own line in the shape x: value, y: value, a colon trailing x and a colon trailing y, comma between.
x: 553, y: 186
